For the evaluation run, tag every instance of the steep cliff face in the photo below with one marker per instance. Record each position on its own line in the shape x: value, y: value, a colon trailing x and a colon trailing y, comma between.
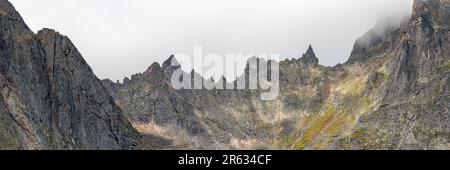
x: 50, y: 98
x: 414, y: 112
x: 393, y: 93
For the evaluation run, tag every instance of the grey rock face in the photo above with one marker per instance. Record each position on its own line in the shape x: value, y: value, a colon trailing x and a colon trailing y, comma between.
x: 391, y: 94
x: 415, y: 112
x: 50, y: 98
x: 310, y: 57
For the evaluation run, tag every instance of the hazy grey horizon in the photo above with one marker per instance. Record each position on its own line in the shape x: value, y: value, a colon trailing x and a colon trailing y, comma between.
x: 125, y: 37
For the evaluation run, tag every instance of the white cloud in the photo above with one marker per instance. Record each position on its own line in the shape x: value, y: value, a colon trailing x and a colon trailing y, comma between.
x: 122, y: 37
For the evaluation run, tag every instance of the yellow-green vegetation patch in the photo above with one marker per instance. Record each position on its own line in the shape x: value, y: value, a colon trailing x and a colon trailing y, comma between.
x: 355, y: 134
x: 352, y: 86
x: 359, y: 105
x: 318, y: 131
x: 366, y: 104
x: 341, y: 122
x: 322, y: 129
x: 384, y: 75
x: 430, y: 133
x: 315, y: 129
x: 367, y: 138
x: 303, y: 123
x: 445, y: 66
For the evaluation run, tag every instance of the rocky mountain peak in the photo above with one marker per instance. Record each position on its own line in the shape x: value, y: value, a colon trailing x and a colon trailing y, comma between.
x: 154, y: 68
x: 309, y: 58
x: 9, y: 14
x: 51, y: 96
x: 169, y: 62
x: 310, y: 50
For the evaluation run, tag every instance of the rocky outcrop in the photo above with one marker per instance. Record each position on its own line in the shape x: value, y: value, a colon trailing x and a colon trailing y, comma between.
x: 310, y: 57
x: 414, y: 112
x: 391, y: 94
x: 50, y: 98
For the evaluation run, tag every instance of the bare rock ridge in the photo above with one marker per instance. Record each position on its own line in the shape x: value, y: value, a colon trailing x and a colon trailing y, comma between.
x: 50, y: 98
x: 393, y: 93
x: 310, y: 57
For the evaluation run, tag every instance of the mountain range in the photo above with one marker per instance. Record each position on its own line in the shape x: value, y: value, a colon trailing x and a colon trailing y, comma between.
x: 393, y: 93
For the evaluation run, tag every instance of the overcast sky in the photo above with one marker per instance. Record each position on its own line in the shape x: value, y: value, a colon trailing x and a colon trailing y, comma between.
x: 122, y: 37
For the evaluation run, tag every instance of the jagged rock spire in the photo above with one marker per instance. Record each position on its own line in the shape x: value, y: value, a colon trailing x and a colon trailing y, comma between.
x: 310, y: 57
x: 155, y: 68
x: 169, y: 61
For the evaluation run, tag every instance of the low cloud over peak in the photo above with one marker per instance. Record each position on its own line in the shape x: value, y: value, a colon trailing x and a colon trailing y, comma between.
x: 126, y: 36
